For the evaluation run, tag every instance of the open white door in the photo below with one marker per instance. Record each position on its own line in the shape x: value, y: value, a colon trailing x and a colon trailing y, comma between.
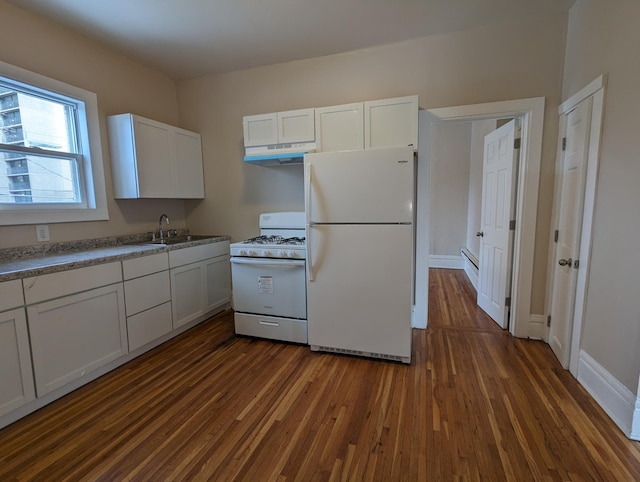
x: 574, y: 170
x: 498, y: 208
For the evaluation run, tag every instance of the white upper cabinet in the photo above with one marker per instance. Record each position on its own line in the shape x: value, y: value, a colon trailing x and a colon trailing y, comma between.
x: 150, y: 159
x: 260, y: 130
x: 391, y: 122
x: 294, y: 126
x: 340, y: 127
x: 368, y: 125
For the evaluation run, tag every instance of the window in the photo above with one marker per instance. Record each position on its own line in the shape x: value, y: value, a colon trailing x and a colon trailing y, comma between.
x: 50, y: 153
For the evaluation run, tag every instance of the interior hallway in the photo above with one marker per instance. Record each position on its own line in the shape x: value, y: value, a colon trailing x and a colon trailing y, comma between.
x: 475, y: 404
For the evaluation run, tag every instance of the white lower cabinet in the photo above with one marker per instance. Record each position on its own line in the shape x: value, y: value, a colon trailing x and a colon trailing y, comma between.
x: 147, y: 294
x: 200, y: 281
x: 58, y: 327
x: 75, y: 332
x: 16, y: 378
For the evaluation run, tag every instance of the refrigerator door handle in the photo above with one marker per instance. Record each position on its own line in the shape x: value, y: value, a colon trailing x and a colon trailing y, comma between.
x: 307, y: 189
x: 310, y: 274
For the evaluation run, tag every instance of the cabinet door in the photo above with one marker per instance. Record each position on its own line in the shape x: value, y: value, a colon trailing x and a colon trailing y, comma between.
x: 218, y: 278
x: 16, y: 379
x: 188, y: 172
x: 76, y: 334
x: 260, y: 130
x: 296, y: 126
x: 340, y: 127
x: 187, y: 293
x: 153, y: 158
x: 391, y: 122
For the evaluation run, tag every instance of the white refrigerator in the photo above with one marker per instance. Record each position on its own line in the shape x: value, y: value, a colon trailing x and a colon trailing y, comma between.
x: 359, y: 212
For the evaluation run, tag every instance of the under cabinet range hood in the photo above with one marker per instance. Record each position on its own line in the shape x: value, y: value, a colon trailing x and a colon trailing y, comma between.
x: 278, y: 154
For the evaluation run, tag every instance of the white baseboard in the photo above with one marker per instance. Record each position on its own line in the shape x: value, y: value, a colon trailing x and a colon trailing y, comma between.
x: 614, y: 398
x: 538, y: 327
x: 445, y: 261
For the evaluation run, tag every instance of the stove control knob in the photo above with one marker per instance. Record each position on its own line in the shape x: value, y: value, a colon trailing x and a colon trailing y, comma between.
x: 293, y: 254
x: 266, y: 253
x: 283, y: 254
x: 243, y: 252
x: 252, y: 252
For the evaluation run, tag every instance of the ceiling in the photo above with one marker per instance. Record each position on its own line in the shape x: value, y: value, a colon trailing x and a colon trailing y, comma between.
x: 190, y: 38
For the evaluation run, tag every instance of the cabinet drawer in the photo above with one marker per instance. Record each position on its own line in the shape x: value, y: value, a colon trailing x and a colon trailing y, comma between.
x: 136, y: 267
x: 273, y: 328
x: 55, y: 285
x: 11, y: 294
x: 149, y: 325
x: 181, y: 257
x: 143, y: 293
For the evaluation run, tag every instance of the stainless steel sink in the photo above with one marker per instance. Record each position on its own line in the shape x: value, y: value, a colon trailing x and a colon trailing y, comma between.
x: 184, y: 238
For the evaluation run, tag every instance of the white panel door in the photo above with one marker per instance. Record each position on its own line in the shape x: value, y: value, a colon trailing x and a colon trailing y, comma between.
x: 498, y: 196
x: 569, y: 230
x: 360, y: 186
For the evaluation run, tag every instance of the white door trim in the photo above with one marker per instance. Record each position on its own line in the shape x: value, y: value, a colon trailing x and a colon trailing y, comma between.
x: 596, y: 89
x: 531, y: 112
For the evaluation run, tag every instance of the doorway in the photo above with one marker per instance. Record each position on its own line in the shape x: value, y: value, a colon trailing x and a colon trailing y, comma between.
x: 531, y: 111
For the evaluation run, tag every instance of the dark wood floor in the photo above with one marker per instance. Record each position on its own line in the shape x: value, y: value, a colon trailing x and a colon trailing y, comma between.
x: 475, y: 404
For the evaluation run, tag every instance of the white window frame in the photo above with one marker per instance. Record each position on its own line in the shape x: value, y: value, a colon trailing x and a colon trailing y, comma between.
x: 91, y: 170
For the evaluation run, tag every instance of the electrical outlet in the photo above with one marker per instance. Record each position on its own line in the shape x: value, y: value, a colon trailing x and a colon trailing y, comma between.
x: 42, y: 232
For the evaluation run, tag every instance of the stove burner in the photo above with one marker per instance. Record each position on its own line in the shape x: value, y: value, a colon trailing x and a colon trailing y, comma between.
x: 294, y: 240
x: 274, y: 239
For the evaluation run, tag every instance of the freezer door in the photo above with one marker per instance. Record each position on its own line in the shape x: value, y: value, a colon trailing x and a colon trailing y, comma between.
x: 369, y: 186
x: 360, y: 296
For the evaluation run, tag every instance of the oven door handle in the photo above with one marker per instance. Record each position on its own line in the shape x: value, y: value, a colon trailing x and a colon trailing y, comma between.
x: 279, y: 263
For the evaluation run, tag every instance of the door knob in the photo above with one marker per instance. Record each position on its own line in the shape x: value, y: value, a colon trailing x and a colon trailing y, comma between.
x: 565, y: 262
x: 480, y: 234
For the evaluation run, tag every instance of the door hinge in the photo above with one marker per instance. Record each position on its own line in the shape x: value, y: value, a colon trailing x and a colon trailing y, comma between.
x: 512, y: 225
x: 516, y: 143
x: 555, y: 236
x: 507, y: 302
x: 564, y: 143
x: 576, y: 264
x: 548, y: 321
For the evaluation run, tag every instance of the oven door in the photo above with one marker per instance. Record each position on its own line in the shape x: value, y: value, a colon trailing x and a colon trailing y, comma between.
x: 266, y: 286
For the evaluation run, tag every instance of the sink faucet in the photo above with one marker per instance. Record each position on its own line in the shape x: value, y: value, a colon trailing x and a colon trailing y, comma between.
x: 160, y: 225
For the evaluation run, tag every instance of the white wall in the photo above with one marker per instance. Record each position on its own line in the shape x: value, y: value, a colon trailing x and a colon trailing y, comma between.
x: 121, y: 85
x: 449, y: 189
x: 603, y: 37
x: 509, y: 60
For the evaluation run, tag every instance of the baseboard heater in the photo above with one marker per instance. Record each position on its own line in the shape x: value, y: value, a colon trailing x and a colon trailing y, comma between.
x: 472, y: 259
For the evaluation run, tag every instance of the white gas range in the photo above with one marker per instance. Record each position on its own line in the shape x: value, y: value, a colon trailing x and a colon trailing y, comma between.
x: 269, y: 280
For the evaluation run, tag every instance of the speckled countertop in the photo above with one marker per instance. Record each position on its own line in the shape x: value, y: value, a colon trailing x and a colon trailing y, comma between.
x: 26, y: 261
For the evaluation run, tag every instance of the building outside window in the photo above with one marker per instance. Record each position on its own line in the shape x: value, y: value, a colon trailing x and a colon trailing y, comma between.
x: 49, y: 169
